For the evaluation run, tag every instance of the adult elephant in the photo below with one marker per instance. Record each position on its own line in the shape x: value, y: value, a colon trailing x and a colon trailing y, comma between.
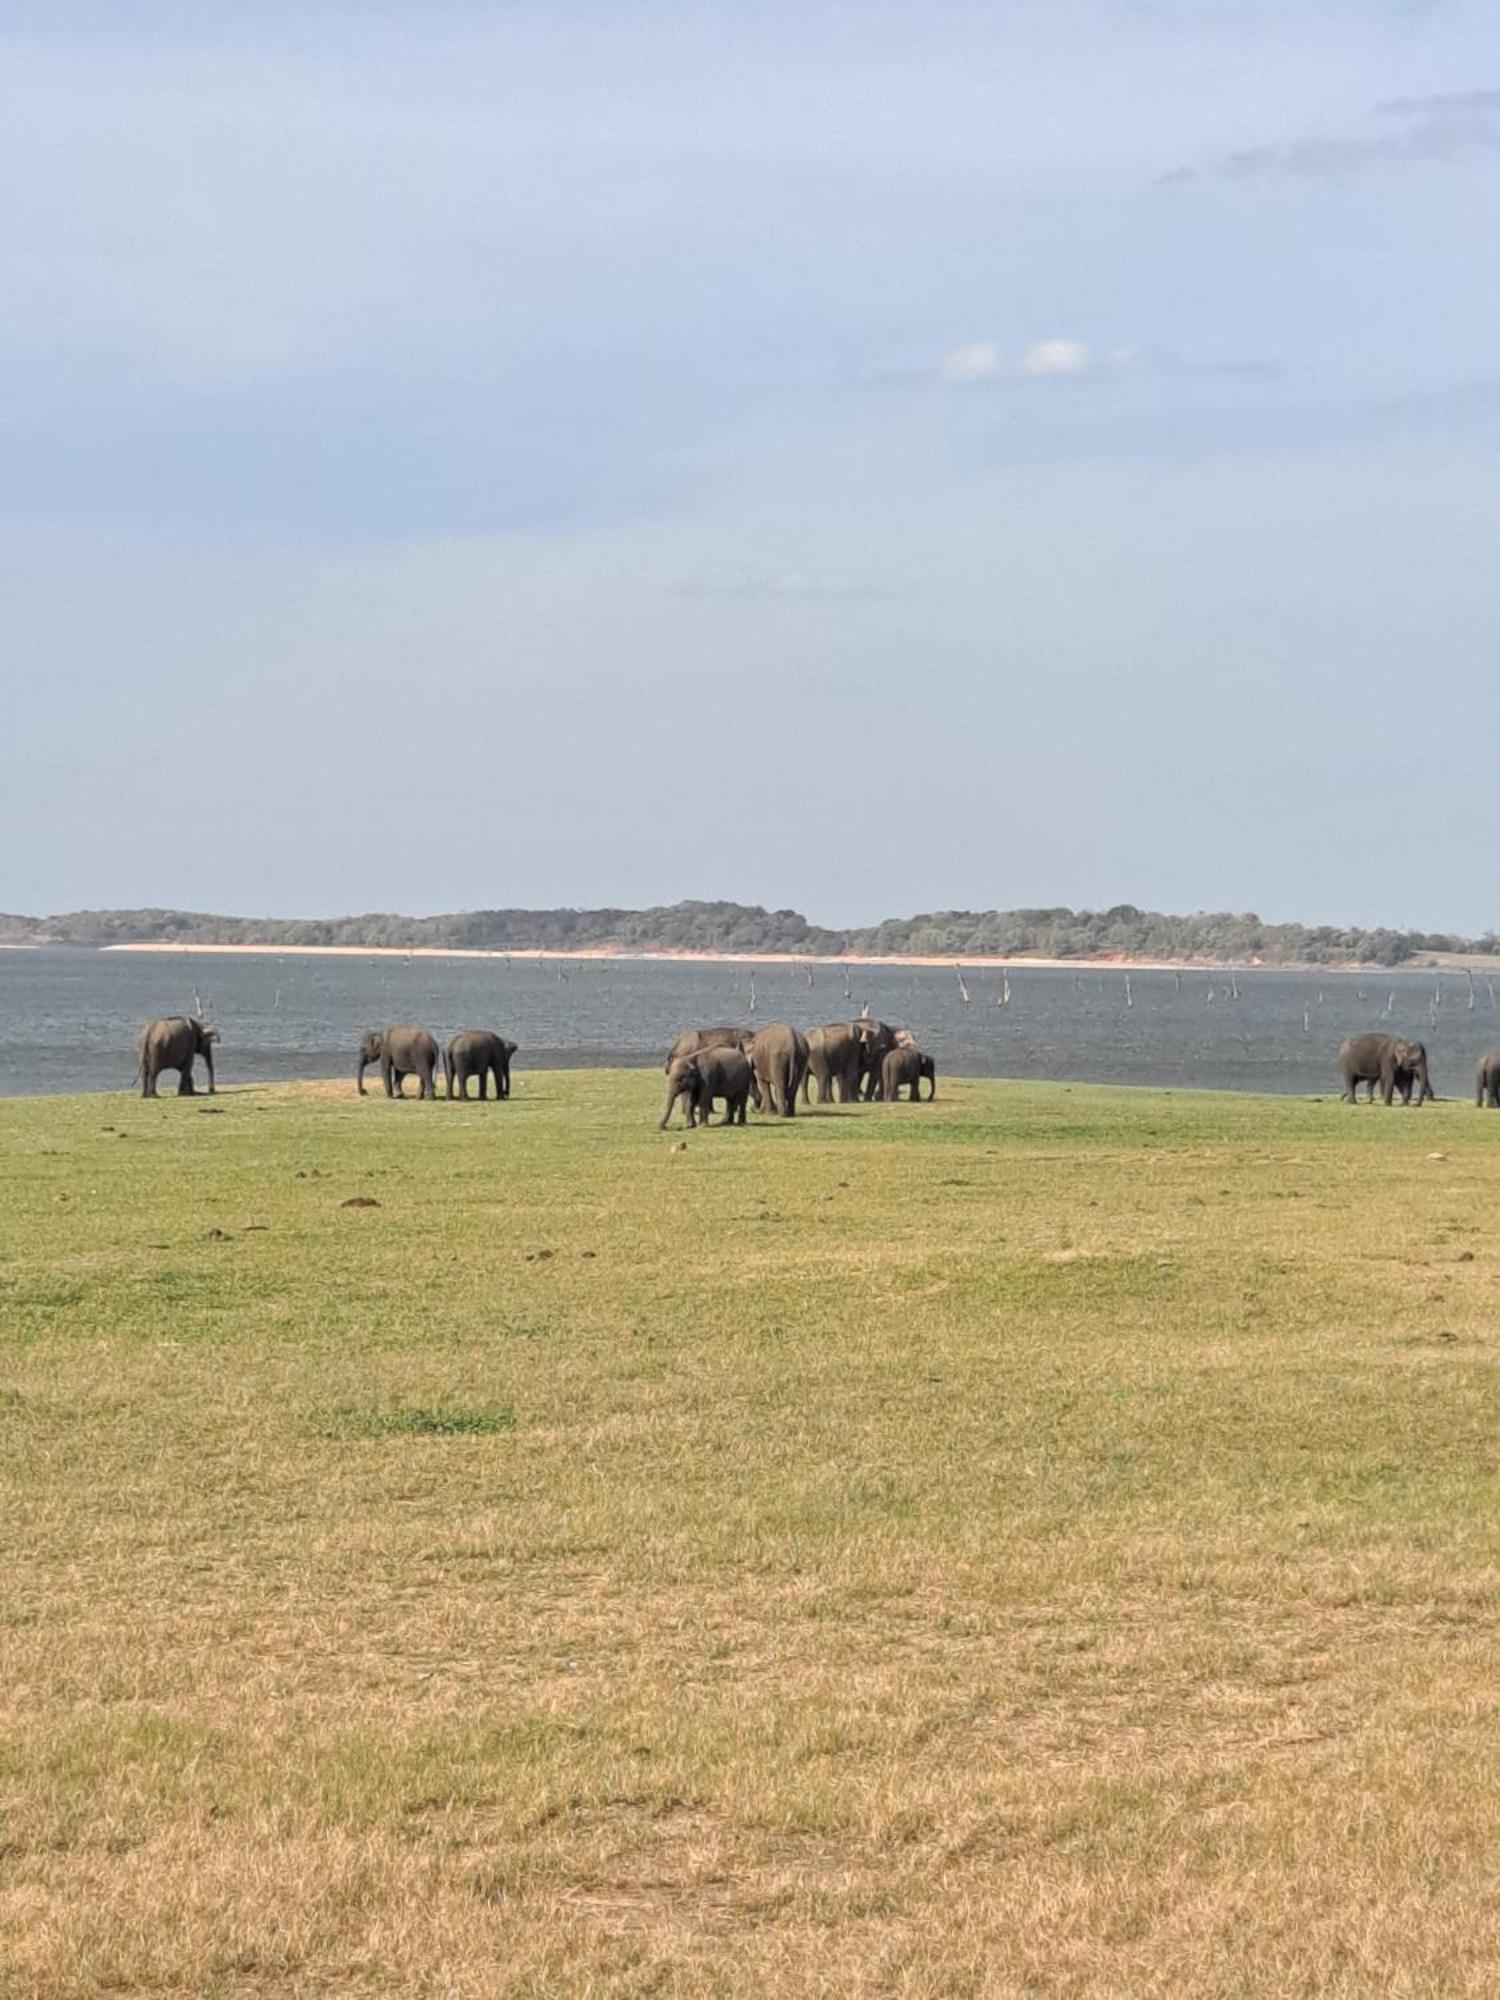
x: 903, y: 1069
x: 478, y: 1052
x: 1389, y: 1060
x: 778, y: 1060
x: 173, y: 1043
x: 843, y: 1056
x: 691, y: 1040
x: 705, y: 1075
x: 401, y: 1052
x: 1487, y: 1082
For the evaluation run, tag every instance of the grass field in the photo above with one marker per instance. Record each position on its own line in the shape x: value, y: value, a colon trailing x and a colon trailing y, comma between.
x: 1047, y: 1542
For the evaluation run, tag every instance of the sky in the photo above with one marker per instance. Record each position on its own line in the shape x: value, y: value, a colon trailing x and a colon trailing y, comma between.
x: 864, y: 458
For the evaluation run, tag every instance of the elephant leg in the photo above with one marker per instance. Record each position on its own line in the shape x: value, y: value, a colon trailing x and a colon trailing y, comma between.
x: 148, y: 1081
x: 185, y: 1081
x: 484, y: 1085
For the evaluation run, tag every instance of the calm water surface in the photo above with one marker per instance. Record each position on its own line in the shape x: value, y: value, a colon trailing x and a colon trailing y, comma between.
x: 68, y: 1018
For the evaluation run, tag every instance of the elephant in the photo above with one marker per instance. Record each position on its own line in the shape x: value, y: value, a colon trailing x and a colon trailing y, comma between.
x: 904, y: 1069
x: 847, y: 1054
x: 172, y: 1043
x: 691, y: 1040
x: 901, y: 1038
x: 710, y: 1073
x: 1395, y: 1064
x: 1487, y: 1082
x: 478, y: 1052
x: 778, y: 1058
x: 401, y: 1052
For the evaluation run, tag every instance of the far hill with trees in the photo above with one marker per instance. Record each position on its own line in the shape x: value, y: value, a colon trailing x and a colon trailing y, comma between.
x: 1123, y: 932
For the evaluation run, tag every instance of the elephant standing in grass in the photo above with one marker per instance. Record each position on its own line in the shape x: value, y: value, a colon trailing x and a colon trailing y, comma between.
x: 904, y: 1069
x: 778, y: 1058
x: 1394, y: 1064
x: 691, y: 1040
x: 1487, y: 1082
x: 701, y: 1077
x: 478, y: 1052
x: 172, y: 1044
x: 400, y: 1052
x: 846, y: 1054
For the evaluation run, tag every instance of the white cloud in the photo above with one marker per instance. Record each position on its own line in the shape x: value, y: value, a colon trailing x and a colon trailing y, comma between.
x: 979, y: 361
x: 1057, y: 357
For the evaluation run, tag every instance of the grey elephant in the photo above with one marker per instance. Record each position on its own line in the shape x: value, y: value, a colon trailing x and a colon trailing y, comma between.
x: 778, y: 1058
x: 691, y: 1040
x: 904, y: 1069
x: 481, y: 1053
x: 845, y: 1057
x: 1389, y: 1060
x: 400, y: 1052
x: 705, y: 1075
x: 901, y: 1038
x: 173, y: 1043
x: 1487, y: 1082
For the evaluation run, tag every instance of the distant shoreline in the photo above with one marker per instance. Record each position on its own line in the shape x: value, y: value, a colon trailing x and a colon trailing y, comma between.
x: 1439, y: 962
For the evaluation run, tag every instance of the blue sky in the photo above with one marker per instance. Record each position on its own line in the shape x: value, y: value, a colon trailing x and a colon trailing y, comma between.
x: 860, y: 457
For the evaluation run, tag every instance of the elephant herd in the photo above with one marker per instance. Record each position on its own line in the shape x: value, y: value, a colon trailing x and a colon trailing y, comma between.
x: 176, y: 1042
x: 770, y: 1066
x: 737, y: 1066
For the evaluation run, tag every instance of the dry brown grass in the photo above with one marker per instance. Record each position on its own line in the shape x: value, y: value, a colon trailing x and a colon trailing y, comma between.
x: 1043, y: 1543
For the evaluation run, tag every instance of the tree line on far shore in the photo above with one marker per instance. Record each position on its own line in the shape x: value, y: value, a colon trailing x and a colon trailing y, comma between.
x: 1121, y: 931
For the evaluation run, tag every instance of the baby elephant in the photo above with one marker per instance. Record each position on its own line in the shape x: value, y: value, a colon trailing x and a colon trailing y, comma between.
x: 1487, y: 1082
x: 709, y: 1074
x: 904, y: 1069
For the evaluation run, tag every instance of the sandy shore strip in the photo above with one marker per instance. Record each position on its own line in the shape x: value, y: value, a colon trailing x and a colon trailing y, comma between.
x: 607, y: 953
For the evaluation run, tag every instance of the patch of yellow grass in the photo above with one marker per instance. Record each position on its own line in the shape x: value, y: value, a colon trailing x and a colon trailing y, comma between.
x: 1040, y: 1543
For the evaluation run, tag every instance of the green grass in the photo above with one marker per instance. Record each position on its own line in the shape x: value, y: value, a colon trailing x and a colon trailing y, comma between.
x: 1044, y: 1542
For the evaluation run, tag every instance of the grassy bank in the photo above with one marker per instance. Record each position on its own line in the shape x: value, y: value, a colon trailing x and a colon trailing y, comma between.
x: 1044, y: 1542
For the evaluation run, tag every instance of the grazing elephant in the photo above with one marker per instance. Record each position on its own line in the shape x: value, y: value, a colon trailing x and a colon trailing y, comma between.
x: 778, y: 1058
x: 691, y: 1040
x: 1394, y: 1064
x: 401, y: 1052
x: 847, y: 1054
x: 1487, y: 1082
x: 478, y: 1052
x: 710, y: 1073
x: 172, y: 1044
x: 903, y: 1069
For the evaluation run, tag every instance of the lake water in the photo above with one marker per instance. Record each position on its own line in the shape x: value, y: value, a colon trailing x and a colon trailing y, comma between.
x: 68, y: 1017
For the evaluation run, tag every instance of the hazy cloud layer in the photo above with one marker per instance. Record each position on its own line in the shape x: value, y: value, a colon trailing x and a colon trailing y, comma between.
x: 1405, y: 131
